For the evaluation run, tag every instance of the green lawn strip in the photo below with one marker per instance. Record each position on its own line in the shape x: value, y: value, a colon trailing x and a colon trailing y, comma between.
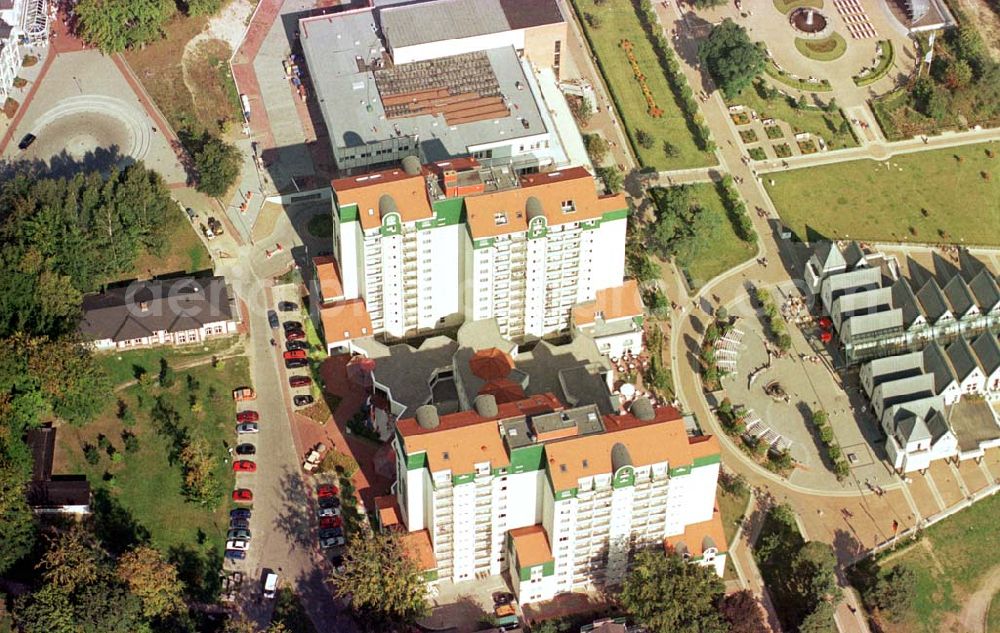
x: 289, y: 611
x: 719, y: 251
x: 146, y: 485
x: 829, y: 125
x: 122, y: 367
x: 822, y: 50
x: 993, y: 617
x: 619, y: 22
x: 731, y: 507
x: 885, y: 64
x: 777, y: 74
x: 887, y: 201
x: 785, y: 6
x: 757, y: 153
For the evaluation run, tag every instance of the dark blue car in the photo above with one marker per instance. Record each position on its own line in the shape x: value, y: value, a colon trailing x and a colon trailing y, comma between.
x: 239, y: 513
x: 236, y: 554
x: 239, y: 524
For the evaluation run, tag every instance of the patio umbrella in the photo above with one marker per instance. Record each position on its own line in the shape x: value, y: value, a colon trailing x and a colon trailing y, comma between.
x: 359, y: 371
x: 491, y: 364
x: 503, y: 390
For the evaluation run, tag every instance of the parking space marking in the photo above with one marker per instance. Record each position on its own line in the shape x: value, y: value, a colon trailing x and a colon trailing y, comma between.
x: 990, y: 479
x: 958, y: 478
x: 911, y: 502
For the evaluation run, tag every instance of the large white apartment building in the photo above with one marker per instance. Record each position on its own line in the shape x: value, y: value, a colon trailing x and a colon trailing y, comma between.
x: 427, y: 248
x: 559, y: 497
x: 21, y: 22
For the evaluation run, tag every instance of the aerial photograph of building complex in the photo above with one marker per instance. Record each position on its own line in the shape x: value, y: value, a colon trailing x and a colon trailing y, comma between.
x: 536, y: 316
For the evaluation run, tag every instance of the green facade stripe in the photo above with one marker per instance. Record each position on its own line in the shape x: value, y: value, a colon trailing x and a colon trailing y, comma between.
x: 620, y: 214
x: 708, y: 460
x: 349, y: 213
x: 565, y: 494
x: 416, y: 461
x: 449, y: 211
x: 485, y: 243
x: 549, y: 568
x: 524, y: 574
x: 462, y: 479
x: 682, y: 470
x: 624, y: 478
x: 527, y: 459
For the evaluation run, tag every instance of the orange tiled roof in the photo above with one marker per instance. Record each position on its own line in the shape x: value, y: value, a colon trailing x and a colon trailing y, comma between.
x: 346, y: 320
x: 388, y: 510
x: 328, y: 275
x: 417, y: 546
x: 531, y: 545
x: 408, y: 192
x: 465, y: 439
x: 694, y: 535
x: 620, y: 302
x: 663, y: 439
x: 551, y: 189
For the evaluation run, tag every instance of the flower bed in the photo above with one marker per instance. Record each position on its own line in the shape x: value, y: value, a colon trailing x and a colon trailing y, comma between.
x: 652, y: 109
x: 757, y: 153
x: 782, y: 150
x: 774, y: 132
x: 885, y: 63
x: 808, y: 146
x: 748, y: 136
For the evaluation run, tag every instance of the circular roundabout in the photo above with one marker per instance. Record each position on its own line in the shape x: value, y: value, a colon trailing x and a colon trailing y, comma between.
x: 89, y: 126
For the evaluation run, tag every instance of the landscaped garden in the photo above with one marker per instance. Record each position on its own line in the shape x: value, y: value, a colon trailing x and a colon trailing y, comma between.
x: 782, y: 150
x: 947, y: 564
x: 748, y: 136
x: 774, y: 132
x: 827, y: 123
x: 607, y: 26
x: 939, y: 196
x: 826, y: 49
x: 787, y: 5
x: 122, y: 367
x: 160, y: 452
x: 757, y: 153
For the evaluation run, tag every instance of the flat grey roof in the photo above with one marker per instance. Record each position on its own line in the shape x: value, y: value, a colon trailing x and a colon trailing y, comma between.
x: 407, y: 371
x: 341, y: 49
x: 412, y: 24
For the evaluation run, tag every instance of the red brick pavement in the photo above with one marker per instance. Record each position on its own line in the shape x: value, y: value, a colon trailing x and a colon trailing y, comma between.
x: 243, y: 73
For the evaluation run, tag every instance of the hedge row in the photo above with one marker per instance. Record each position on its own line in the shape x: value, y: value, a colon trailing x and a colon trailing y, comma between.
x: 737, y: 210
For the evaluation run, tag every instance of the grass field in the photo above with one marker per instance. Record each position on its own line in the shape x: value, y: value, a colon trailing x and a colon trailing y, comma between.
x: 993, y: 618
x: 813, y: 120
x: 619, y: 21
x: 824, y: 50
x: 122, y: 367
x: 731, y: 508
x: 935, y: 196
x: 184, y: 250
x: 787, y: 5
x: 950, y: 561
x: 722, y: 249
x: 137, y: 496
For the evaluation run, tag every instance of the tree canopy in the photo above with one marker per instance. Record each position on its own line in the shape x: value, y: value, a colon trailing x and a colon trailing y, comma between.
x: 382, y: 581
x: 743, y: 613
x: 668, y: 595
x: 116, y: 25
x: 731, y: 58
x: 218, y: 164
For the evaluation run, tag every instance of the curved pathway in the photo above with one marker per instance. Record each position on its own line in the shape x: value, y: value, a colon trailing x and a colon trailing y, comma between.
x: 977, y: 607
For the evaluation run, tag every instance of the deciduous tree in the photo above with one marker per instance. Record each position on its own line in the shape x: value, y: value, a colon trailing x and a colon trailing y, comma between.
x: 218, y: 165
x: 731, y: 58
x: 74, y: 560
x: 743, y: 613
x: 200, y: 484
x: 115, y: 25
x: 17, y: 523
x: 668, y: 595
x: 150, y: 577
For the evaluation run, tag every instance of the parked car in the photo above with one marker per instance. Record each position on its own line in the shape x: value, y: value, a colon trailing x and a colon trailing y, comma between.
x: 287, y: 306
x: 247, y: 427
x: 331, y: 533
x: 240, y: 513
x: 238, y: 533
x: 243, y: 495
x: 291, y: 325
x: 239, y: 524
x: 330, y: 522
x: 247, y: 416
x: 246, y: 449
x: 295, y: 354
x: 270, y: 584
x: 301, y: 401
x: 327, y: 490
x: 328, y: 512
x: 26, y: 141
x: 300, y: 381
x: 296, y: 363
x: 272, y: 319
x: 241, y: 394
x: 235, y: 554
x: 335, y: 541
x: 244, y: 466
x: 295, y: 335
x: 329, y: 502
x: 290, y: 345
x: 501, y: 598
x: 238, y: 544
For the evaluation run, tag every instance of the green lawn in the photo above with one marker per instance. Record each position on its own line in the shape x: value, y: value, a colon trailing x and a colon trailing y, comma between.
x: 993, y: 619
x: 934, y: 196
x: 813, y: 120
x: 122, y: 367
x: 958, y: 552
x: 138, y: 496
x: 787, y: 5
x: 619, y: 21
x: 183, y: 251
x: 824, y: 50
x: 731, y: 508
x: 721, y: 249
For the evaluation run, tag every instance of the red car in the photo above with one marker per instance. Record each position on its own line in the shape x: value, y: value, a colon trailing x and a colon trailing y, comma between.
x: 295, y: 335
x: 825, y: 323
x: 295, y: 353
x: 330, y: 522
x: 300, y: 381
x: 247, y: 416
x: 327, y: 490
x: 244, y: 495
x: 244, y: 466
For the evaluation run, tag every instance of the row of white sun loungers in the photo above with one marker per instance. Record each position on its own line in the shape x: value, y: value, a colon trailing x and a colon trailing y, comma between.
x: 856, y: 19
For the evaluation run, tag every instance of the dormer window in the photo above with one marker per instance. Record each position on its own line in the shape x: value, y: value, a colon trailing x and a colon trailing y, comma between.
x: 568, y: 206
x: 500, y: 218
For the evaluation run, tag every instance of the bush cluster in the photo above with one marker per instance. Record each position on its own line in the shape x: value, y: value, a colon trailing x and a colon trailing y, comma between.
x: 821, y: 421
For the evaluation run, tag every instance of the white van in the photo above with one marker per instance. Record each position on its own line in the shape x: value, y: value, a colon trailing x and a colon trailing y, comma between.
x: 270, y: 584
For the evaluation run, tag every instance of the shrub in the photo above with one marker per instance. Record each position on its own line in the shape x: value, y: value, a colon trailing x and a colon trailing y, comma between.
x: 644, y: 138
x: 131, y: 442
x: 593, y: 20
x: 90, y: 454
x: 338, y: 462
x: 166, y: 376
